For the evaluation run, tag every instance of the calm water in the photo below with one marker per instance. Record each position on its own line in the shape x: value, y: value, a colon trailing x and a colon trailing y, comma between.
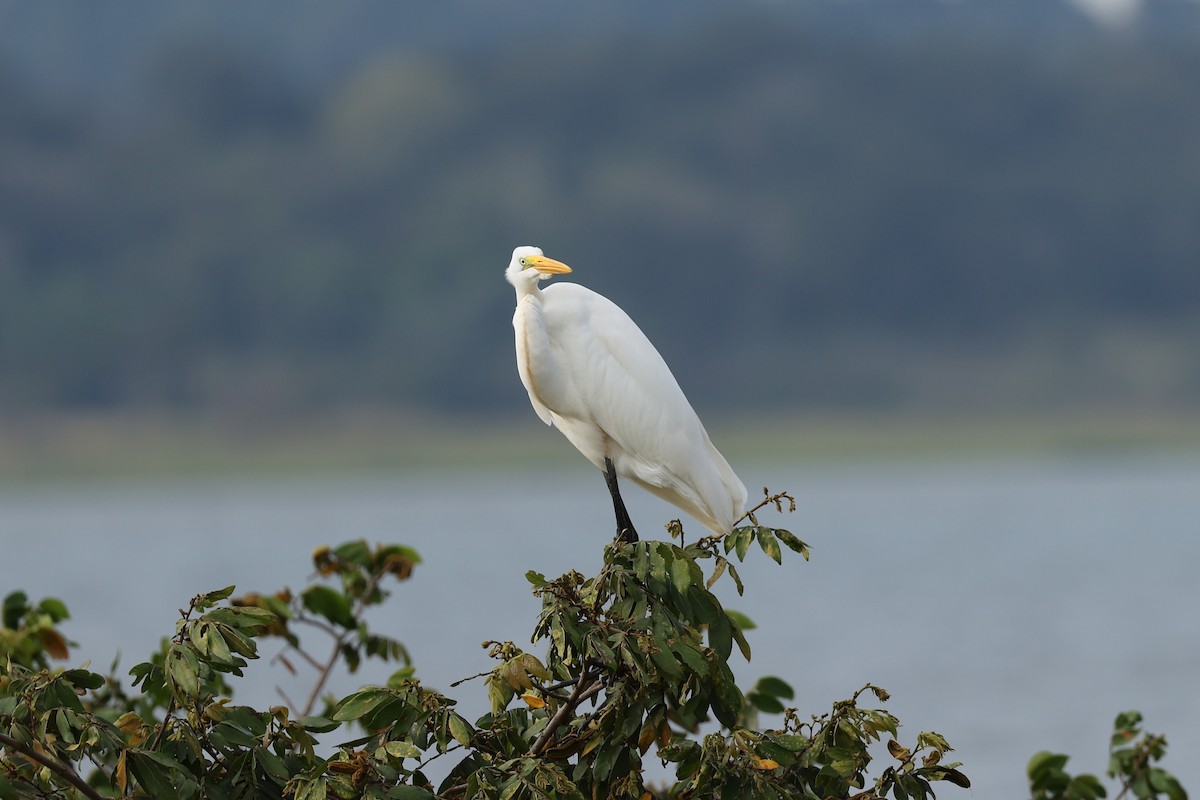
x: 1012, y: 605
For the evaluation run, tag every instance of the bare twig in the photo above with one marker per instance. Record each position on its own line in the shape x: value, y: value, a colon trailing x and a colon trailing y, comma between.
x: 282, y: 694
x: 300, y: 651
x: 560, y: 685
x: 339, y: 642
x: 461, y: 681
x: 769, y: 500
x: 60, y: 769
x: 439, y: 755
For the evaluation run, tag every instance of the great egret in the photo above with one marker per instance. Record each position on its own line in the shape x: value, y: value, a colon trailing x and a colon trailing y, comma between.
x: 593, y: 374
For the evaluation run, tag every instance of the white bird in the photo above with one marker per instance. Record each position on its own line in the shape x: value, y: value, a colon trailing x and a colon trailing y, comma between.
x: 593, y: 374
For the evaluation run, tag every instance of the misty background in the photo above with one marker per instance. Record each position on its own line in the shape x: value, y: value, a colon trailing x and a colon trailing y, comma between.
x: 273, y: 210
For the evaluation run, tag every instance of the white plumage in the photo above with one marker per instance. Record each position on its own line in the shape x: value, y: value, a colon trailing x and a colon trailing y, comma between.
x: 593, y: 374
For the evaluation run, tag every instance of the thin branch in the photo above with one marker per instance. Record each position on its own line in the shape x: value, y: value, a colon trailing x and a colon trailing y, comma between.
x: 338, y: 643
x: 323, y: 677
x: 316, y: 623
x: 461, y: 681
x: 287, y: 700
x: 769, y: 500
x: 439, y: 755
x: 312, y: 662
x: 587, y: 687
x: 556, y: 686
x: 60, y: 769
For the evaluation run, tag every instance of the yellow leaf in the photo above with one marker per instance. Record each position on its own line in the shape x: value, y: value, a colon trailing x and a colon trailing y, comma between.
x: 129, y: 722
x: 766, y: 763
x: 648, y: 736
x: 120, y: 776
x: 592, y: 743
x: 532, y: 700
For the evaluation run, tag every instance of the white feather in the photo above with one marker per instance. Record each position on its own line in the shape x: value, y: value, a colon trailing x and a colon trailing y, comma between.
x: 592, y: 373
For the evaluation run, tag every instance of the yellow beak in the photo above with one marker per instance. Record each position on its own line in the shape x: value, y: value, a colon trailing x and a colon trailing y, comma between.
x: 548, y: 265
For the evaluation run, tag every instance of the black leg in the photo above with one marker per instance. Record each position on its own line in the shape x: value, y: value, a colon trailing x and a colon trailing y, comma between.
x: 625, y: 530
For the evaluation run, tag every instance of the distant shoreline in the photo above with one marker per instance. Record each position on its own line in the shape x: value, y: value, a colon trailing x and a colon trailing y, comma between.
x: 122, y: 446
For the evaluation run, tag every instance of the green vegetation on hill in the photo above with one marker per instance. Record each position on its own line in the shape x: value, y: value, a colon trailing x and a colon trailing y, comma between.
x: 926, y: 221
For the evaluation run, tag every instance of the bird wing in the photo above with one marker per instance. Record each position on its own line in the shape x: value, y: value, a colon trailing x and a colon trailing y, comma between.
x: 620, y: 383
x: 530, y: 333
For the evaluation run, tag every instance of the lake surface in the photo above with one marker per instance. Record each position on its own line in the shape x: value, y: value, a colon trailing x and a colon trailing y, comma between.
x: 1011, y: 605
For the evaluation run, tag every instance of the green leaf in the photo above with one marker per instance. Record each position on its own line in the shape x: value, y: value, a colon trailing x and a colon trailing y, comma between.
x: 664, y: 660
x: 681, y: 574
x: 83, y: 679
x: 959, y: 779
x: 215, y: 596
x: 216, y: 645
x: 1164, y: 782
x: 789, y: 741
x: 1083, y: 787
x: 240, y: 617
x: 354, y: 552
x: 742, y: 542
x: 461, y: 730
x: 679, y: 748
x: 727, y: 701
x: 770, y: 749
x: 272, y: 764
x: 791, y: 541
x: 315, y: 789
x: 1045, y: 761
x: 409, y: 793
x: 932, y: 739
x: 705, y: 606
x: 692, y: 658
x: 530, y: 663
x: 318, y: 724
x: 737, y: 581
x: 500, y: 694
x: 774, y: 687
x: 606, y: 759
x: 537, y: 579
x: 769, y: 544
x: 183, y: 673
x: 742, y: 644
x: 240, y: 643
x: 329, y: 603
x: 402, y: 750
x: 55, y: 608
x: 720, y: 636
x: 15, y: 605
x: 765, y: 702
x: 159, y: 774
x: 1128, y: 721
x: 360, y: 703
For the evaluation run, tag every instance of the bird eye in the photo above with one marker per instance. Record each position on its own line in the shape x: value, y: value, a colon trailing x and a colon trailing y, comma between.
x: 524, y: 262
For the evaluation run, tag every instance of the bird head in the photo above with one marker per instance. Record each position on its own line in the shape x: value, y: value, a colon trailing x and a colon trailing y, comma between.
x: 528, y: 266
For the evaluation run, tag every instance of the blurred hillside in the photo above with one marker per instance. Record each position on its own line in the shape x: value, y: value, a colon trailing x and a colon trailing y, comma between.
x: 890, y: 205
